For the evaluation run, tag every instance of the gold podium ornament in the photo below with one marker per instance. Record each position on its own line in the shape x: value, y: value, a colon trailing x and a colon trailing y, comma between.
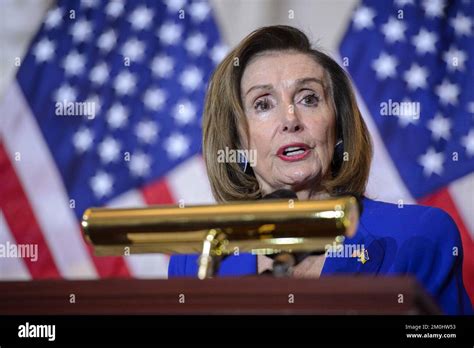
x: 216, y: 231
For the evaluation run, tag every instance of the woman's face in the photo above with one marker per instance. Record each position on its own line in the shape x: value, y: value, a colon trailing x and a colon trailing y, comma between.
x: 291, y: 123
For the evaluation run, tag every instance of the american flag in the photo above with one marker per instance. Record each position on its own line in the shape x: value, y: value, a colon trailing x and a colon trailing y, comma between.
x: 142, y: 68
x: 419, y: 52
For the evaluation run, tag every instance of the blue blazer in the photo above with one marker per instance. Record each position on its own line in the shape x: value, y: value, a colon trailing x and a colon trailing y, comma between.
x: 418, y: 240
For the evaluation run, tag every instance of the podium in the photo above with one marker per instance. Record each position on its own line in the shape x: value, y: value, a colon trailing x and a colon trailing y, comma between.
x: 234, y: 296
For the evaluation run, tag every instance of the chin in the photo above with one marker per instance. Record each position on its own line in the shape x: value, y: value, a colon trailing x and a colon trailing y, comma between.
x: 299, y: 179
x: 298, y: 175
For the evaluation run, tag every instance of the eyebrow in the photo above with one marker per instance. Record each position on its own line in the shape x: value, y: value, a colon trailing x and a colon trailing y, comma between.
x: 298, y: 82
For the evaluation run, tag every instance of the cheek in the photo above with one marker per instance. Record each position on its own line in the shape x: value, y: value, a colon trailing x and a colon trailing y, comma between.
x: 323, y: 133
x: 260, y: 135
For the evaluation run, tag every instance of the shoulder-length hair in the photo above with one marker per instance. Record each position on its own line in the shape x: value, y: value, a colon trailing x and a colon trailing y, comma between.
x: 224, y: 118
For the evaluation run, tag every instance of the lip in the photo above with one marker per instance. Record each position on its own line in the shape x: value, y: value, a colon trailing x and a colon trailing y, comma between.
x: 299, y: 157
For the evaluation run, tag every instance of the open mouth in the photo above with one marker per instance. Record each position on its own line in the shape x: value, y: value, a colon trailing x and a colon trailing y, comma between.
x: 293, y: 152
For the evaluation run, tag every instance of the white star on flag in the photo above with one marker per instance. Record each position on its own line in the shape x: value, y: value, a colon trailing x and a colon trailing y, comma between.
x: 114, y: 8
x: 101, y: 184
x: 99, y: 74
x: 141, y: 18
x: 82, y: 140
x: 65, y: 93
x: 162, y: 66
x: 117, y: 116
x: 394, y: 30
x: 169, y: 33
x: 416, y: 77
x: 107, y: 41
x: 454, y: 59
x: 146, y: 131
x: 184, y: 112
x: 74, y: 63
x: 133, y: 49
x: 191, y: 78
x: 363, y: 18
x: 447, y: 92
x: 199, y: 11
x: 433, y: 8
x: 425, y: 41
x: 54, y: 18
x: 195, y: 44
x: 218, y: 53
x: 109, y: 150
x: 154, y: 98
x: 440, y: 127
x: 81, y: 30
x: 385, y: 66
x: 44, y: 50
x: 432, y: 162
x: 125, y: 83
x: 462, y: 25
x: 139, y: 164
x: 176, y: 145
x: 468, y: 142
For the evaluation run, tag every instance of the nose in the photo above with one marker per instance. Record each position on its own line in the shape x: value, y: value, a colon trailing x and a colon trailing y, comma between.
x: 291, y: 123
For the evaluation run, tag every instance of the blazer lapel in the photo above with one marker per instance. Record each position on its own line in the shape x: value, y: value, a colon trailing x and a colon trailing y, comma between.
x: 360, y: 254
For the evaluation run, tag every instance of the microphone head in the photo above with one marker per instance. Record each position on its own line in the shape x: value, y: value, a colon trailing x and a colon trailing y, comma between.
x: 281, y: 194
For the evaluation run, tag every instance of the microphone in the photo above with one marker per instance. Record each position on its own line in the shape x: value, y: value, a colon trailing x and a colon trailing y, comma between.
x: 284, y: 262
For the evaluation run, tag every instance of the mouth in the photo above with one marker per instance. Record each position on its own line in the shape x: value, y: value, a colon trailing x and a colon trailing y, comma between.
x: 293, y: 152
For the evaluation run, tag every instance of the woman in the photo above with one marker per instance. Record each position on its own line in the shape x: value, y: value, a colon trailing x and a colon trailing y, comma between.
x: 295, y: 107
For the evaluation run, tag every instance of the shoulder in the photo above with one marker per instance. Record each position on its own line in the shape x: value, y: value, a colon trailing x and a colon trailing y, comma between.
x: 408, y: 221
x: 423, y: 241
x: 421, y: 233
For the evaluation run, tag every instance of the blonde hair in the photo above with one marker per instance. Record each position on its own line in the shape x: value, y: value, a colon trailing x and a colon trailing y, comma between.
x: 224, y: 118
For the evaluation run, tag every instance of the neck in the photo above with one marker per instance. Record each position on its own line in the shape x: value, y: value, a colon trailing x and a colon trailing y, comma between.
x: 309, y: 190
x: 304, y: 195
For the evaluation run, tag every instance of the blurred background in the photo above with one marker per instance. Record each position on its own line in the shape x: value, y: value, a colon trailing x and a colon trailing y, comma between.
x: 101, y: 101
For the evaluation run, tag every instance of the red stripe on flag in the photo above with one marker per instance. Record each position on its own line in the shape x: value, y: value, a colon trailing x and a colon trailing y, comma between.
x: 22, y: 220
x: 109, y: 266
x: 155, y: 193
x: 442, y: 199
x: 158, y: 192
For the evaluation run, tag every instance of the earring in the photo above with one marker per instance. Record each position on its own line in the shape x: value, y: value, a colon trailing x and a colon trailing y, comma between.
x: 246, y: 162
x: 243, y: 163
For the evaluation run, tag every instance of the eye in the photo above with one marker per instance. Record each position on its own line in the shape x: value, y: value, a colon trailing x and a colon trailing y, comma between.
x: 262, y: 104
x: 311, y: 99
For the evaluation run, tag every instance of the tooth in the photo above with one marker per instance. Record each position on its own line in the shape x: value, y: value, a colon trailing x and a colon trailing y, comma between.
x: 295, y: 153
